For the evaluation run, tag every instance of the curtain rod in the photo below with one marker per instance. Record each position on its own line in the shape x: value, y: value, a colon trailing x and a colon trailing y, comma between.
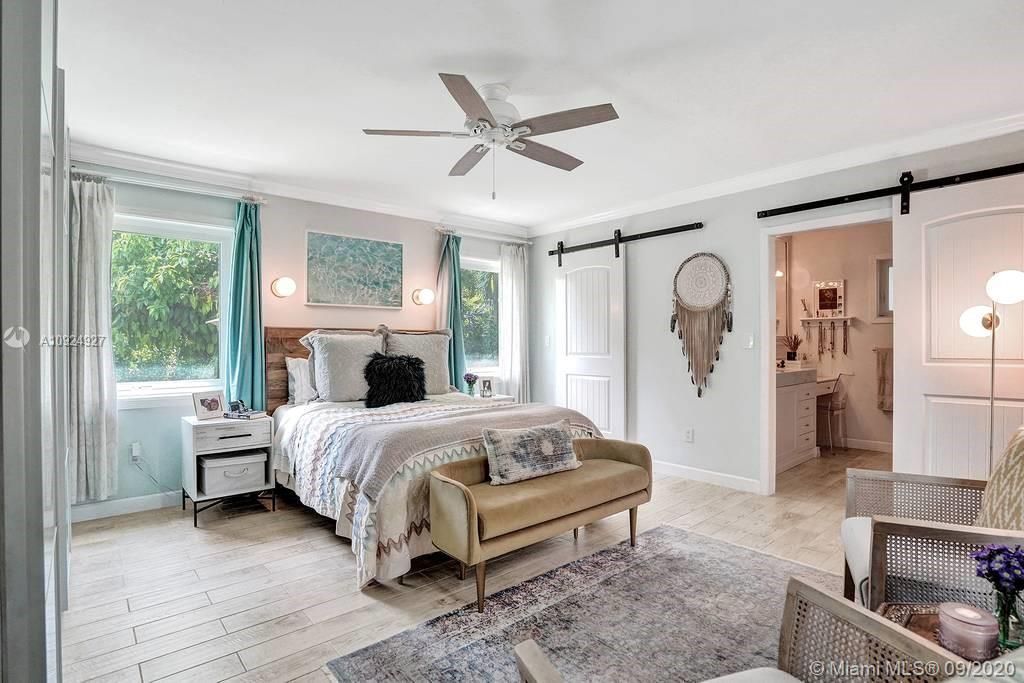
x: 209, y: 191
x: 906, y: 186
x: 482, y: 234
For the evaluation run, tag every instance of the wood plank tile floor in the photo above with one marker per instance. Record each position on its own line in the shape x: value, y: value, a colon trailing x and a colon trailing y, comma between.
x: 254, y: 595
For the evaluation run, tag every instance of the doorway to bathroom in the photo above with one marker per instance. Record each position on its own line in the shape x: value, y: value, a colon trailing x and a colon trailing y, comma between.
x: 830, y: 344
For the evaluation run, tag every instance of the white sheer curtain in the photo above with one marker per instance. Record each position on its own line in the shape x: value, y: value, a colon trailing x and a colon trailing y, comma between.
x: 513, y: 345
x: 93, y: 428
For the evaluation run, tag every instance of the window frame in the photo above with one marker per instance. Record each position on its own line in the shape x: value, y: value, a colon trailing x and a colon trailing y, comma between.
x: 173, y: 392
x: 487, y: 266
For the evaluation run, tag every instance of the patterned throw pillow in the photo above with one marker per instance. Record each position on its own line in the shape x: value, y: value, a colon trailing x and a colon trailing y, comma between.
x: 518, y: 454
x: 1002, y: 504
x: 394, y: 379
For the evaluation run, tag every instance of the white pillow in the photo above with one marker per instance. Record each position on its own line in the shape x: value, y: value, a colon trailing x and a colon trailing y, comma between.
x: 305, y: 341
x: 432, y: 348
x: 340, y: 362
x: 300, y: 390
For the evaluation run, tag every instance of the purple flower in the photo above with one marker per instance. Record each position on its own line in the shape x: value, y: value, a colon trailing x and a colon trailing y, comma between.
x: 470, y: 378
x: 1001, y: 566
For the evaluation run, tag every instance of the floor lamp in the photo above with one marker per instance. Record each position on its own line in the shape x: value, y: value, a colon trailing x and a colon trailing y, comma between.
x: 1007, y: 288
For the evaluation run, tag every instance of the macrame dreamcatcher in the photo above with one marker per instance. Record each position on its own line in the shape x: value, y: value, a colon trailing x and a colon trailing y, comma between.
x: 701, y: 313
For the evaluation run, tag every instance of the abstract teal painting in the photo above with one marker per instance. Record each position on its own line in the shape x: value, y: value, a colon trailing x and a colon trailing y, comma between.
x: 352, y: 271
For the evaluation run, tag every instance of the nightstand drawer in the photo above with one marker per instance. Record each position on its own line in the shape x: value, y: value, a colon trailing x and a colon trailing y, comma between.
x: 225, y: 475
x: 221, y: 436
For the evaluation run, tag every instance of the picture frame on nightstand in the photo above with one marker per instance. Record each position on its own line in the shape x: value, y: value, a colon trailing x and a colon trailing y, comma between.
x: 208, y: 404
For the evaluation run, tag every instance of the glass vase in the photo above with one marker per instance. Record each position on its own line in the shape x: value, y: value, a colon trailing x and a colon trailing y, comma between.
x: 1011, y: 629
x: 471, y: 389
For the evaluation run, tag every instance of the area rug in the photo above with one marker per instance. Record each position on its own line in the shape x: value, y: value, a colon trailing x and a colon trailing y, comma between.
x: 678, y: 607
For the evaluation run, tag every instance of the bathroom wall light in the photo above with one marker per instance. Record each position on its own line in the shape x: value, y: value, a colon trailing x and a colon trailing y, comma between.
x: 423, y: 297
x: 283, y: 287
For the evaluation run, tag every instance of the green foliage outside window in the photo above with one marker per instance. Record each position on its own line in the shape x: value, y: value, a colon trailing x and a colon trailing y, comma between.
x: 163, y: 293
x: 480, y: 317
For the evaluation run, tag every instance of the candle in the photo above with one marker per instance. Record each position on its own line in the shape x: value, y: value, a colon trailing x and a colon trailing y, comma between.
x: 968, y: 631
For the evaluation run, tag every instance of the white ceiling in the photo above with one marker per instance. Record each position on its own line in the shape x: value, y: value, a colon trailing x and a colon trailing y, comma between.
x: 706, y: 91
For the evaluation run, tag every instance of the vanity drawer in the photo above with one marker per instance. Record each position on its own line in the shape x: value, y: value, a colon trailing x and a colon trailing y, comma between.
x: 805, y: 424
x: 223, y: 436
x: 806, y: 391
x: 805, y: 442
x: 805, y: 407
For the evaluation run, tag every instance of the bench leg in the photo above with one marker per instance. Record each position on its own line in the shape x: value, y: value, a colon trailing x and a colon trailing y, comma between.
x: 481, y: 576
x: 462, y: 571
x: 632, y: 527
x: 576, y: 534
x: 849, y: 590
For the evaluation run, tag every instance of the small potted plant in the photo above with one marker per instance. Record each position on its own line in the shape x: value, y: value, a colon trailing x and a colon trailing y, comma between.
x: 792, y: 343
x: 470, y: 379
x: 1003, y: 567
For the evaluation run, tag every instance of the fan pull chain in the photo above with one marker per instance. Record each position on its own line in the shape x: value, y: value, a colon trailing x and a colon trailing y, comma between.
x: 494, y: 172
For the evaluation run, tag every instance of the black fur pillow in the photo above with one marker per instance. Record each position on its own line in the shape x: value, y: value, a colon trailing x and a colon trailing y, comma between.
x: 394, y: 379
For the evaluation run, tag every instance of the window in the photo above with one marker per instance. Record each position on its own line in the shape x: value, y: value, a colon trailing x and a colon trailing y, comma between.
x: 883, y: 289
x: 480, y: 314
x: 167, y: 294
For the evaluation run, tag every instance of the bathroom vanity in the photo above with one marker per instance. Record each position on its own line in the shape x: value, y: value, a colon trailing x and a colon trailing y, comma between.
x: 795, y: 417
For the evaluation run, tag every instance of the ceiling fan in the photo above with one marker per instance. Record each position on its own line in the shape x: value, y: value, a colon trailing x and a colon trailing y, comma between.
x: 495, y: 122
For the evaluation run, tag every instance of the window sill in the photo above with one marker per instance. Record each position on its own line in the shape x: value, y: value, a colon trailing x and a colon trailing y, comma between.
x: 135, y: 396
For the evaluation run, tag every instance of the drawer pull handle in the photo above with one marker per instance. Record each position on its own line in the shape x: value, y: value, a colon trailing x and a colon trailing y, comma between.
x: 234, y: 436
x: 236, y: 475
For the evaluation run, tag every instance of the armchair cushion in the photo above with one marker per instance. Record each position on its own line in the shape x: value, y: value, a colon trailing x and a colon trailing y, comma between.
x: 856, y: 535
x: 1002, y: 505
x: 762, y: 674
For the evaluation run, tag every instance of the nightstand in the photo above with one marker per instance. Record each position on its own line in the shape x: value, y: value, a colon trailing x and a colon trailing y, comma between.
x: 221, y: 458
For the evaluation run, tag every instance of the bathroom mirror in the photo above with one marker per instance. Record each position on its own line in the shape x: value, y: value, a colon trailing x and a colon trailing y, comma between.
x: 782, y: 323
x: 883, y: 289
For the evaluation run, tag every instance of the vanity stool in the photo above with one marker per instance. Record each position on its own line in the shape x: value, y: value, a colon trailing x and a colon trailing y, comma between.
x: 832, y: 407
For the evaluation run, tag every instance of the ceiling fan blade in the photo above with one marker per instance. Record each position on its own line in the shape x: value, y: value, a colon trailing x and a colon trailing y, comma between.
x: 469, y: 160
x: 467, y: 97
x: 570, y: 118
x: 415, y: 133
x: 546, y: 155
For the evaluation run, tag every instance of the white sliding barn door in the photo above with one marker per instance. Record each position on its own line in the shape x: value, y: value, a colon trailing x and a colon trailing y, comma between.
x: 591, y: 338
x: 944, y: 251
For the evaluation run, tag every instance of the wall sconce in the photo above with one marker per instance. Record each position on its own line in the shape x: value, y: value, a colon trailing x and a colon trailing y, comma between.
x: 423, y: 297
x: 283, y: 287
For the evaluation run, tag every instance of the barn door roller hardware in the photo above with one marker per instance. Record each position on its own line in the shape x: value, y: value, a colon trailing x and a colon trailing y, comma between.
x: 904, y: 189
x: 619, y: 239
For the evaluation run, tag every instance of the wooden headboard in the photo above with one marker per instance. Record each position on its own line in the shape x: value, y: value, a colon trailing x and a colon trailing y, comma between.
x: 282, y: 342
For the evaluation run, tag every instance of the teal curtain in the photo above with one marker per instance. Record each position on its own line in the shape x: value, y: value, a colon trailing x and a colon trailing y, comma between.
x: 449, y: 281
x: 246, y: 366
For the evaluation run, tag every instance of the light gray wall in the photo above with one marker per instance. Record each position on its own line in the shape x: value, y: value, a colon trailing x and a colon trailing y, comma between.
x: 661, y: 402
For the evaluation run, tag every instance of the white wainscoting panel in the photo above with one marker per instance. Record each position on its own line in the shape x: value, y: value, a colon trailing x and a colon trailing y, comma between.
x: 956, y: 443
x: 591, y: 396
x: 962, y: 253
x: 587, y: 299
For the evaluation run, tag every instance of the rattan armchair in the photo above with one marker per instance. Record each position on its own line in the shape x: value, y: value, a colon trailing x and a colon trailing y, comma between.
x: 922, y: 534
x: 823, y: 638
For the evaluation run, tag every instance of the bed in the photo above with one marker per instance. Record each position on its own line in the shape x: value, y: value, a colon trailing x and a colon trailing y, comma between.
x: 369, y: 468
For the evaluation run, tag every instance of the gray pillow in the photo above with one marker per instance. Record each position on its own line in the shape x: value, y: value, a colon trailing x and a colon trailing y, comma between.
x: 517, y: 454
x: 340, y: 361
x: 432, y: 348
x: 306, y: 341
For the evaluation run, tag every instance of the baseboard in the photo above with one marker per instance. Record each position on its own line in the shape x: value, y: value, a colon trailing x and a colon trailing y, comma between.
x: 866, y: 445
x: 124, y: 506
x: 707, y: 476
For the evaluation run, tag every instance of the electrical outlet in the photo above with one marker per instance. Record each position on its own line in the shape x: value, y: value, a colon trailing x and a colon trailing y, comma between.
x: 688, y: 435
x: 136, y: 450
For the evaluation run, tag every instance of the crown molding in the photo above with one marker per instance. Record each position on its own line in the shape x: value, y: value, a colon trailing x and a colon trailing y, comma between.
x: 861, y: 156
x: 198, y: 177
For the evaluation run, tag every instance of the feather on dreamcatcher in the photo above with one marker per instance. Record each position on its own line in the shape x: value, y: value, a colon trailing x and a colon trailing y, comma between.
x: 701, y: 313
